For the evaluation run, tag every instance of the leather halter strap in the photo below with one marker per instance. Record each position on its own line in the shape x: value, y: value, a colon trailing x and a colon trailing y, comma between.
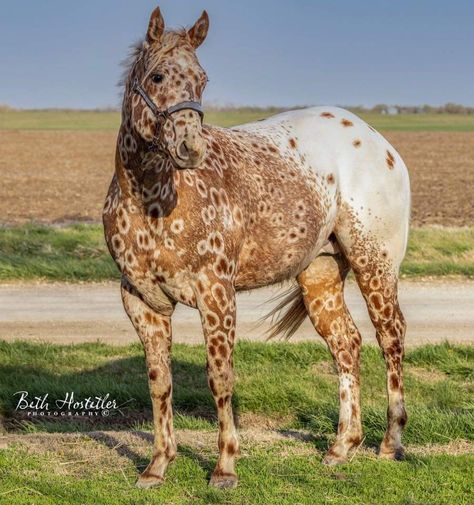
x: 166, y: 113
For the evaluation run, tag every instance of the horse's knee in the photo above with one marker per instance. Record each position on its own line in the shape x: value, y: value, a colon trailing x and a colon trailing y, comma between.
x: 160, y: 387
x: 221, y: 379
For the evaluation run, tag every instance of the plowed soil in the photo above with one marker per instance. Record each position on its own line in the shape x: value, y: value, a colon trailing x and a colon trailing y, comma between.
x: 63, y: 176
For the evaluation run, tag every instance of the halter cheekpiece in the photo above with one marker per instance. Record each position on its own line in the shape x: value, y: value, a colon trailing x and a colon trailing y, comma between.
x: 166, y: 113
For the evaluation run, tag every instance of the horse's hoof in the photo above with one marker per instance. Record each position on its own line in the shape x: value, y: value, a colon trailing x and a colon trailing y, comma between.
x: 333, y: 460
x: 224, y: 481
x: 147, y: 481
x: 397, y: 454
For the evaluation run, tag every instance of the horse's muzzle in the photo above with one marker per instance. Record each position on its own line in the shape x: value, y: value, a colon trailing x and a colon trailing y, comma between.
x: 189, y: 153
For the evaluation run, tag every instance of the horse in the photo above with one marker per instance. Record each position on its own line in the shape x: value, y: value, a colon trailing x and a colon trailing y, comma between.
x: 196, y: 213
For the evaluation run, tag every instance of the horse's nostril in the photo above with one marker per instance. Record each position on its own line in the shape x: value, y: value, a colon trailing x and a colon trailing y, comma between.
x: 183, y: 151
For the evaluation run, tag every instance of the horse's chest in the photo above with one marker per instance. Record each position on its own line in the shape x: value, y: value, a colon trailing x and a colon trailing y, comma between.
x: 148, y: 253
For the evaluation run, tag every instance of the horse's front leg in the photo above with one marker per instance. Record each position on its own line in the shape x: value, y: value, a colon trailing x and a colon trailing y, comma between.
x: 154, y: 330
x: 216, y: 303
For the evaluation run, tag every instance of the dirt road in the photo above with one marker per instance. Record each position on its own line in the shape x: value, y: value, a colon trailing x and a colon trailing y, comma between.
x: 435, y: 311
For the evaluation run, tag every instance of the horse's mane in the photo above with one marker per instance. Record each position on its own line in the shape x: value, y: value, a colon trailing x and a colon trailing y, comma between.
x: 135, y: 51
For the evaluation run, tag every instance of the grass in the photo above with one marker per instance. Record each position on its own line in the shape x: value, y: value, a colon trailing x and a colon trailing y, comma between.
x: 264, y: 478
x: 78, y: 253
x: 74, y: 253
x: 294, y: 385
x: 440, y: 251
x: 110, y: 120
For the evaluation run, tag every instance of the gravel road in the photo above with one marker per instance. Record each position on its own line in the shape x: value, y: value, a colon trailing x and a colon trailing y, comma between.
x: 65, y: 313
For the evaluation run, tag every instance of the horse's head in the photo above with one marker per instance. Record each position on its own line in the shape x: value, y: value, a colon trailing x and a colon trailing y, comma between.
x: 164, y: 88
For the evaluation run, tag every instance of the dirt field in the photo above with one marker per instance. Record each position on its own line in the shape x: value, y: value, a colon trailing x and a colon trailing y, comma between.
x: 54, y: 176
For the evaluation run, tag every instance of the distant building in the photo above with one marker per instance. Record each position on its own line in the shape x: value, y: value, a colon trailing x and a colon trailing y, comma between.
x: 390, y: 110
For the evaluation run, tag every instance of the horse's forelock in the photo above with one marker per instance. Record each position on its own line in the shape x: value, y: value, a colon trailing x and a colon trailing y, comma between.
x: 171, y: 39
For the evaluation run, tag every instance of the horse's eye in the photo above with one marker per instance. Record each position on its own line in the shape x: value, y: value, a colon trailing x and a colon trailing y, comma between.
x: 157, y: 78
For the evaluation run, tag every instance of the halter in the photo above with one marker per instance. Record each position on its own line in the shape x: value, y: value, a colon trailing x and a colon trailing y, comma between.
x: 163, y: 115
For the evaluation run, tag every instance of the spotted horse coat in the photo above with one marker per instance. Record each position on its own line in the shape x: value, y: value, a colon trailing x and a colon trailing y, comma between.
x: 196, y: 213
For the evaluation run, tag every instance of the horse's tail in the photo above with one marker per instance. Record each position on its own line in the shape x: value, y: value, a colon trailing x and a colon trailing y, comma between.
x: 288, y: 321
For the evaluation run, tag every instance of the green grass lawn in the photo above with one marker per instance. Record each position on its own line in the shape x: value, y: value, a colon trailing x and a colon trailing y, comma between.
x: 294, y: 386
x: 78, y: 253
x: 110, y: 120
x: 73, y: 253
x: 266, y: 478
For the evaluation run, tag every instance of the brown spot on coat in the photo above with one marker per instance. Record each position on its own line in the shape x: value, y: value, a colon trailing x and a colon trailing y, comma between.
x: 223, y: 351
x: 292, y: 143
x: 394, y: 382
x: 390, y: 160
x: 211, y: 319
x: 357, y: 143
x: 354, y: 410
x: 231, y: 449
x: 402, y: 420
x: 327, y: 115
x: 395, y: 348
x: 345, y: 358
x: 346, y: 123
x: 153, y: 374
x: 354, y: 440
x: 330, y: 179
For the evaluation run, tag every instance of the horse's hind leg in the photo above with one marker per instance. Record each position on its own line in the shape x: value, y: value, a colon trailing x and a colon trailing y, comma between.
x: 375, y: 263
x: 379, y: 288
x: 322, y: 284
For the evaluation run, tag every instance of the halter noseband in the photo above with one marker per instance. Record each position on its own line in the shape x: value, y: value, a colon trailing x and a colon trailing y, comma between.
x: 163, y: 115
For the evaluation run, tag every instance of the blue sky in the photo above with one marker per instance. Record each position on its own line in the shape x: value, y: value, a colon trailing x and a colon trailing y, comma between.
x: 59, y: 53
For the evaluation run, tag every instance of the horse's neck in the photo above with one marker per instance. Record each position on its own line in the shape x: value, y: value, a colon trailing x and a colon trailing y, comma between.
x: 146, y: 177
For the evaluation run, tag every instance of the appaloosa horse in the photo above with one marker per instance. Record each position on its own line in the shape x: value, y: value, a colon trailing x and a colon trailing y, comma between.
x: 195, y: 213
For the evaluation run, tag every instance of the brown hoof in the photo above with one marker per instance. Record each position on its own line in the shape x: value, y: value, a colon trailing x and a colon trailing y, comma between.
x: 227, y: 481
x: 149, y: 480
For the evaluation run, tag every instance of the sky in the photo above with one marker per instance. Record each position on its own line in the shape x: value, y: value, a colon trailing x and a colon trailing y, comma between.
x: 66, y: 54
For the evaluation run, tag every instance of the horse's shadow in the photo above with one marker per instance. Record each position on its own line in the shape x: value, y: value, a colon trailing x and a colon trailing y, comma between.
x: 125, y: 381
x: 141, y: 462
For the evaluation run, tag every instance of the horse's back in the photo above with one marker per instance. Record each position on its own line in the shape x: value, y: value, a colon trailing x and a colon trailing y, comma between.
x: 371, y: 178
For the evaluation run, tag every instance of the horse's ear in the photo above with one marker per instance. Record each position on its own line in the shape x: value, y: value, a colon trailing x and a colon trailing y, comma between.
x: 156, y: 27
x: 198, y: 32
